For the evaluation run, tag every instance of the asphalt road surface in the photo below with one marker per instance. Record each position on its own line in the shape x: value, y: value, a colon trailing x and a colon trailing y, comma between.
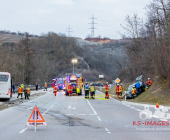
x: 76, y: 118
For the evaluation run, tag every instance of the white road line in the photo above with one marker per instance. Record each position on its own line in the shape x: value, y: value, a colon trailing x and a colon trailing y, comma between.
x: 109, y: 132
x: 30, y: 108
x: 106, y: 129
x: 127, y: 105
x: 138, y: 110
x: 81, y: 114
x: 47, y: 110
x: 132, y: 107
x: 69, y: 114
x: 91, y: 107
x: 92, y: 114
x: 99, y: 118
x: 23, y: 130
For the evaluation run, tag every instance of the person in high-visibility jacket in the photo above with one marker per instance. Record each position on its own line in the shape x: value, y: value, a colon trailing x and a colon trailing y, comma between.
x: 120, y: 89
x: 134, y: 92
x: 55, y: 90
x: 45, y: 86
x: 92, y: 91
x: 86, y: 90
x: 20, y: 91
x: 106, y: 91
x: 70, y: 89
x: 22, y: 85
x: 117, y: 90
x: 149, y: 83
x: 28, y: 92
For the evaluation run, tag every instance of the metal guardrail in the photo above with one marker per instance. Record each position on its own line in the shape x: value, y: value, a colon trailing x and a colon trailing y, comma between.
x: 33, y: 87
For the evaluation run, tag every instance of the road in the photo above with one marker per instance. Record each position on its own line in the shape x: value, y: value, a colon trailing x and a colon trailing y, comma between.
x: 73, y: 118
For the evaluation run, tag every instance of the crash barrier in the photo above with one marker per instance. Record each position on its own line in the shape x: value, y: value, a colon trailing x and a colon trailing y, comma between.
x: 33, y: 87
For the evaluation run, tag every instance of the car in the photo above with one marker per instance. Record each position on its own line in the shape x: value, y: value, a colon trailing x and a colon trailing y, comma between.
x: 99, y: 84
x: 142, y: 87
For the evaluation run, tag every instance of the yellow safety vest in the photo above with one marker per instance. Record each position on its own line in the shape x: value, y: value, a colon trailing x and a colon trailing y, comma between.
x: 92, y: 89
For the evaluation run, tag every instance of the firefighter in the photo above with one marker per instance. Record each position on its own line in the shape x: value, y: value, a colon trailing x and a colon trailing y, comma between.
x: 55, y: 90
x: 25, y: 93
x: 120, y: 89
x: 20, y: 91
x: 86, y: 91
x: 28, y: 92
x: 45, y: 86
x: 92, y: 91
x: 133, y: 92
x: 106, y: 91
x: 117, y: 90
x: 70, y: 89
x: 22, y: 85
x: 149, y: 83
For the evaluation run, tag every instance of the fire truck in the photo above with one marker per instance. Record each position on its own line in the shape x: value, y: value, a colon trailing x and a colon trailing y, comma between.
x: 76, y: 81
x: 59, y: 82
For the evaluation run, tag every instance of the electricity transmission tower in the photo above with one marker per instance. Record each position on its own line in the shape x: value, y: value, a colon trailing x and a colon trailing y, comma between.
x: 92, y: 26
x: 69, y: 31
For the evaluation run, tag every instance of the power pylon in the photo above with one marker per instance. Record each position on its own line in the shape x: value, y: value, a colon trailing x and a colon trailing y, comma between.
x: 92, y: 26
x: 69, y: 31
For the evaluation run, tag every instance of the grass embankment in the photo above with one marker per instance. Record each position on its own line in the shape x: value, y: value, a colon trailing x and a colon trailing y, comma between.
x: 159, y: 92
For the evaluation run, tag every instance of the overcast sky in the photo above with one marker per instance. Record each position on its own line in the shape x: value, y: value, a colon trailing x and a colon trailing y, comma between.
x: 42, y: 16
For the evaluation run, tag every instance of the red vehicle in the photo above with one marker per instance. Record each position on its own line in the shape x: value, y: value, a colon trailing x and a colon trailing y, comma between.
x: 59, y: 82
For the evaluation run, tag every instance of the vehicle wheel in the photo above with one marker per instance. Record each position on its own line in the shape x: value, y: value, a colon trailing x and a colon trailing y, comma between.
x: 80, y: 92
x: 66, y: 93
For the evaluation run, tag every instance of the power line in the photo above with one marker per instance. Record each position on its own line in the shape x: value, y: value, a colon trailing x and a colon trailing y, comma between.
x: 92, y: 26
x: 69, y: 31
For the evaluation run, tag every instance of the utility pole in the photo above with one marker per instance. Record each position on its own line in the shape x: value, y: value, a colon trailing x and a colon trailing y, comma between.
x: 92, y: 26
x: 69, y: 31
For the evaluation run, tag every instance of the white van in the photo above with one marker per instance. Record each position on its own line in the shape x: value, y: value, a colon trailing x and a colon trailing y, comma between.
x: 5, y: 85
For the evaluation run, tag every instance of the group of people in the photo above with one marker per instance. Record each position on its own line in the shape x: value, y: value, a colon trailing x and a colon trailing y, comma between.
x: 89, y: 89
x: 119, y: 90
x: 92, y: 89
x: 27, y: 92
x: 136, y: 90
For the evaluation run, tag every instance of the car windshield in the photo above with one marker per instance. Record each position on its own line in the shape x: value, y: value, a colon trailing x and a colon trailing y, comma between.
x: 60, y: 82
x: 4, y: 78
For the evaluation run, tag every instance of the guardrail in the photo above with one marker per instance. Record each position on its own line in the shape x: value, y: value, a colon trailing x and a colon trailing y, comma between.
x: 33, y: 87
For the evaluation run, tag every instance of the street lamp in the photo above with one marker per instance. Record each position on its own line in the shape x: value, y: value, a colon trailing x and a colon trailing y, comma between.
x: 74, y: 61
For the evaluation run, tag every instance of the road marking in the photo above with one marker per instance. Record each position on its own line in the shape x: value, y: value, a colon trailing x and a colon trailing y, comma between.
x: 23, y: 130
x: 106, y: 129
x: 92, y: 114
x: 138, y: 110
x: 68, y: 114
x: 47, y: 110
x: 109, y: 132
x: 99, y: 118
x: 30, y: 108
x: 81, y: 114
x: 132, y: 107
x: 127, y: 105
x: 163, y: 120
x: 91, y: 107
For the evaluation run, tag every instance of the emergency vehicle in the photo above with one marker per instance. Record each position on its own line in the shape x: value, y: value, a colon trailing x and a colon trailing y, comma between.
x: 76, y: 81
x: 59, y: 82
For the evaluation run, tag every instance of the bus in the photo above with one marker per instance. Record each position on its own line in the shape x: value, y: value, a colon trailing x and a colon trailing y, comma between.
x: 5, y: 85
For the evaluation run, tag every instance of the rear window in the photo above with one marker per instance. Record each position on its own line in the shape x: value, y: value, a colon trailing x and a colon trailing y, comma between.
x: 4, y: 78
x: 59, y: 82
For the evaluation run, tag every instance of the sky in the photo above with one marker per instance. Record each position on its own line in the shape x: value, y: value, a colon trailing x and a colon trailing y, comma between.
x: 42, y: 16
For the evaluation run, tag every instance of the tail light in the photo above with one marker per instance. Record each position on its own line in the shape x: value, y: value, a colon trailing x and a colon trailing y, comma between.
x: 8, y: 92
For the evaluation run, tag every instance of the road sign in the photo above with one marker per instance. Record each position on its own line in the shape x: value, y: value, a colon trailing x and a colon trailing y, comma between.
x: 36, y: 118
x: 117, y: 80
x: 101, y: 76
